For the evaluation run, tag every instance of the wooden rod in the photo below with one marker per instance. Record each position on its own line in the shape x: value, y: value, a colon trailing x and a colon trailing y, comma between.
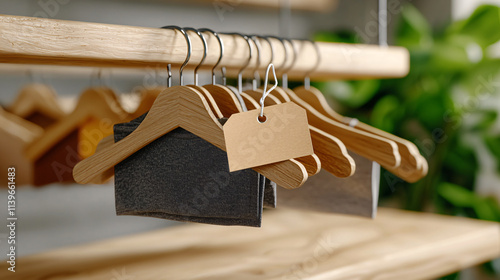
x: 31, y: 40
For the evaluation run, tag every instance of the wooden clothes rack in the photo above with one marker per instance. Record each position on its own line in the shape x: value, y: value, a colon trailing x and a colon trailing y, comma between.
x: 31, y: 40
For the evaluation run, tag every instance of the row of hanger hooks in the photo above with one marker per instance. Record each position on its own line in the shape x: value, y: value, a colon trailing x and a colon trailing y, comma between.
x: 283, y: 68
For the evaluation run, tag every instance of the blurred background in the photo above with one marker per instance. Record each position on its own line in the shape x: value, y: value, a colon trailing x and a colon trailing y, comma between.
x: 448, y: 105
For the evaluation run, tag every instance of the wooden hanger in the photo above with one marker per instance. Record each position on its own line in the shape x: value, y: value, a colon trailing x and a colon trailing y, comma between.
x: 330, y: 151
x: 37, y: 98
x: 148, y: 97
x: 371, y: 146
x: 16, y: 125
x: 179, y: 106
x: 412, y: 163
x: 94, y: 103
x: 15, y: 134
x: 229, y: 104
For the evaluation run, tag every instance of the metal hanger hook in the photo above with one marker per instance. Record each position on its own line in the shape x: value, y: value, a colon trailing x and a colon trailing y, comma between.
x: 204, y: 52
x: 189, y: 49
x: 294, y: 59
x: 307, y: 80
x: 256, y: 76
x: 221, y: 45
x: 240, y: 73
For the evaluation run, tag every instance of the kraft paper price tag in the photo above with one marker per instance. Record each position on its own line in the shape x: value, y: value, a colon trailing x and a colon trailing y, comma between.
x: 283, y: 135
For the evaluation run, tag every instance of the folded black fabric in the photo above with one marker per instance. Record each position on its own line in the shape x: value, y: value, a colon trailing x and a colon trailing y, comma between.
x: 182, y: 177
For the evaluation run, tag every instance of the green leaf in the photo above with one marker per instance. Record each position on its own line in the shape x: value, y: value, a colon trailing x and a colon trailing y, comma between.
x: 339, y: 37
x: 493, y: 144
x: 457, y: 195
x: 487, y: 119
x: 487, y: 209
x: 483, y: 25
x: 353, y: 94
x: 413, y: 31
x: 384, y: 111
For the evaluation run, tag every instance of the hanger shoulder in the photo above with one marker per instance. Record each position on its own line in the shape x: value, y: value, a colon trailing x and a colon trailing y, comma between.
x: 411, y: 162
x: 316, y: 99
x: 22, y: 129
x: 257, y: 94
x: 225, y: 99
x: 93, y: 103
x: 37, y: 98
x: 177, y: 106
x: 148, y: 97
x: 211, y: 101
x: 280, y: 93
x: 250, y: 102
x: 370, y: 146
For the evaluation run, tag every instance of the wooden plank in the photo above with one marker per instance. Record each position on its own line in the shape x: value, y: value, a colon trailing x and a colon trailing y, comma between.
x: 290, y: 245
x: 30, y: 40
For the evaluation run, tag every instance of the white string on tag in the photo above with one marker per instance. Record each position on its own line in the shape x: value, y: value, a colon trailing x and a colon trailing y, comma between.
x: 266, y: 92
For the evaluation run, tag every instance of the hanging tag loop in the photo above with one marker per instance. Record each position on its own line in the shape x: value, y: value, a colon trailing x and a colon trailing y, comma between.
x: 261, y: 117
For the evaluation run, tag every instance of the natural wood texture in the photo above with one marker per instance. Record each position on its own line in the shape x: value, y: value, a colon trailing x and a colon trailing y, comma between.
x: 47, y: 41
x: 179, y: 106
x: 331, y: 152
x: 148, y: 97
x: 322, y: 6
x: 94, y: 104
x: 250, y: 102
x: 225, y: 99
x: 15, y: 134
x: 371, y: 146
x: 411, y: 168
x: 312, y: 163
x: 209, y: 98
x: 37, y: 99
x: 290, y: 245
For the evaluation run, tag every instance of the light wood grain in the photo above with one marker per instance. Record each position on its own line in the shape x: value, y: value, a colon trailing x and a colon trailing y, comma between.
x: 94, y: 103
x: 411, y: 168
x: 36, y: 98
x: 290, y: 245
x: 179, y: 106
x: 376, y: 148
x: 47, y: 41
x: 15, y: 134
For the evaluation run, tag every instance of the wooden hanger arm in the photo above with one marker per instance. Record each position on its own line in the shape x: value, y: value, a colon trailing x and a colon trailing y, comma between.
x: 178, y: 107
x: 333, y: 154
x: 411, y: 167
x: 370, y: 146
x: 312, y: 164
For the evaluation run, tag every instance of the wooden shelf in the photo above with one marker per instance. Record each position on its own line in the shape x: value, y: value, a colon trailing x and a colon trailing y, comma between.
x: 290, y: 245
x: 30, y: 40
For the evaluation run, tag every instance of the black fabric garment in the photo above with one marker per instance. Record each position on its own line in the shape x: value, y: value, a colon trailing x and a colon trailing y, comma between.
x: 182, y: 177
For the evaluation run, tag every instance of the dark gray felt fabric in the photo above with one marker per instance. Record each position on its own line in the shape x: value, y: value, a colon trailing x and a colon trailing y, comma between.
x: 182, y: 177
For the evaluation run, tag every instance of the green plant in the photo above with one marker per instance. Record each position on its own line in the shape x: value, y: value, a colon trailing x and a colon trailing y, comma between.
x: 448, y: 105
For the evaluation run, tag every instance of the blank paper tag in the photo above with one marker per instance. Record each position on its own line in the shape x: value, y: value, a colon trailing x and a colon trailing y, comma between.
x: 284, y: 135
